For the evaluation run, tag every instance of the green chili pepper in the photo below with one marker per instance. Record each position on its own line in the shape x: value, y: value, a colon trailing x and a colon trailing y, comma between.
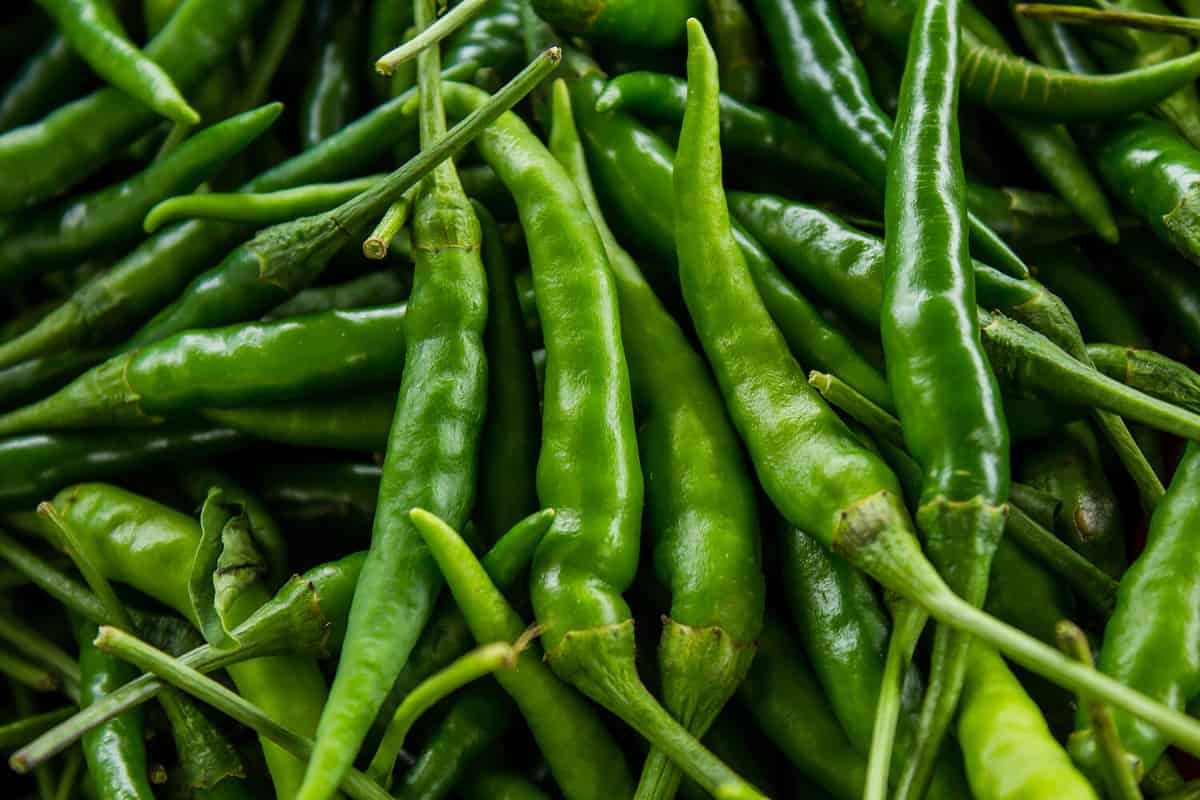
x: 1169, y: 282
x: 1025, y: 594
x: 386, y: 25
x: 228, y: 367
x: 688, y: 449
x: 44, y: 239
x: 297, y: 491
x: 1103, y: 313
x: 508, y: 449
x: 436, y: 431
x: 52, y: 76
x: 1007, y: 748
x: 824, y: 481
x: 330, y: 97
x: 737, y: 48
x: 360, y: 422
x: 51, y: 156
x: 95, y: 32
x: 256, y: 76
x: 497, y: 785
x: 1024, y: 217
x: 651, y: 25
x: 39, y: 377
x: 382, y: 287
x: 751, y: 131
x: 1159, y: 660
x: 814, y: 54
x: 1150, y: 372
x: 284, y: 259
x: 561, y: 721
x: 492, y: 40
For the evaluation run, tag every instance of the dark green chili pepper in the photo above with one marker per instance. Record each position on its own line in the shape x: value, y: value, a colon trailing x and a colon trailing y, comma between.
x: 52, y: 76
x: 954, y: 426
x: 491, y: 40
x: 824, y: 481
x: 772, y: 139
x: 827, y: 82
x: 581, y: 754
x: 44, y: 239
x: 385, y: 27
x: 1150, y: 372
x: 284, y: 259
x: 228, y: 367
x: 116, y: 750
x: 699, y: 495
x: 51, y: 156
x: 1069, y: 467
x: 508, y: 449
x: 298, y: 491
x: 96, y: 34
x: 496, y: 785
x: 35, y: 467
x: 1025, y: 217
x: 651, y: 25
x: 1170, y: 283
x: 738, y: 49
x: 1158, y: 659
x: 435, y: 432
x: 1026, y: 594
x: 1008, y: 750
x: 330, y: 98
x: 379, y: 288
x: 359, y: 422
x: 1103, y: 313
x: 39, y: 377
x: 255, y: 77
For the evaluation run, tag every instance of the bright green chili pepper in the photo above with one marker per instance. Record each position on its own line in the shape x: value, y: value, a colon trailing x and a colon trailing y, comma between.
x: 52, y: 76
x: 699, y: 495
x: 47, y: 238
x: 432, y: 450
x: 825, y: 79
x: 228, y: 367
x: 284, y: 259
x: 49, y: 157
x: 1150, y: 372
x: 630, y: 22
x: 508, y: 449
x: 330, y: 98
x: 823, y: 481
x: 1007, y: 748
x: 581, y: 754
x: 946, y: 394
x: 95, y: 32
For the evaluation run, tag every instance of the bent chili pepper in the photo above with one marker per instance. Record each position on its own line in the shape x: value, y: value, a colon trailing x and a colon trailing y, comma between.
x: 699, y: 495
x: 432, y: 452
x: 824, y: 481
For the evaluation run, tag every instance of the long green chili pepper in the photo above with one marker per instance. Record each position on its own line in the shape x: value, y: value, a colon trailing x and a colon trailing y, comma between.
x: 824, y: 481
x: 651, y: 25
x: 130, y: 648
x: 1139, y: 21
x: 688, y: 448
x: 750, y: 131
x: 561, y: 720
x: 38, y: 377
x: 491, y: 40
x: 1159, y: 660
x: 1103, y: 312
x: 44, y: 239
x: 359, y: 422
x: 330, y: 98
x: 1008, y: 751
x: 52, y: 76
x: 737, y: 47
x: 382, y: 287
x: 508, y: 449
x: 347, y: 349
x: 435, y: 432
x: 284, y: 259
x: 285, y: 21
x: 95, y: 32
x: 303, y: 491
x: 265, y: 208
x: 56, y: 153
x: 1149, y: 372
x: 814, y: 53
x: 1025, y: 217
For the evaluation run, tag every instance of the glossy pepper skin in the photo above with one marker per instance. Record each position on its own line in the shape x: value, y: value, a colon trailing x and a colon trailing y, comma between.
x: 330, y: 98
x: 115, y: 751
x: 151, y: 547
x: 699, y: 495
x: 432, y: 453
x: 824, y: 77
x: 628, y: 22
x: 948, y: 400
x: 54, y: 154
x: 1159, y: 660
x: 492, y: 40
x: 1008, y: 751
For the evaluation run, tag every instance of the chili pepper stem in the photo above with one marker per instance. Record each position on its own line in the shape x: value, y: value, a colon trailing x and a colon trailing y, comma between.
x: 600, y: 663
x: 909, y: 621
x: 428, y: 37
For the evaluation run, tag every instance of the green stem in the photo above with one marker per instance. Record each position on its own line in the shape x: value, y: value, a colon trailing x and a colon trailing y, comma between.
x: 147, y: 658
x: 906, y: 630
x: 50, y: 580
x: 375, y: 246
x: 476, y: 664
x: 22, y: 730
x: 41, y: 650
x: 35, y: 677
x: 430, y: 36
x: 115, y: 612
x: 1079, y: 15
x: 841, y: 395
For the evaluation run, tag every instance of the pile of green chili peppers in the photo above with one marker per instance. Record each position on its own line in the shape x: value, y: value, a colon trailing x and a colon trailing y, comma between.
x: 599, y: 399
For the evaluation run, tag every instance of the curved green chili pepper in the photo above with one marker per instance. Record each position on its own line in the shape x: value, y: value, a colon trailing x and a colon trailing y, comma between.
x: 1008, y: 750
x: 1150, y: 372
x: 824, y: 481
x: 54, y: 154
x: 330, y: 98
x: 946, y: 394
x: 630, y: 22
x: 748, y: 130
x: 228, y: 367
x: 435, y: 432
x: 699, y: 495
x: 95, y: 32
x: 284, y: 259
x: 43, y: 239
x: 509, y: 444
x: 580, y: 752
x: 52, y: 76
x: 360, y: 422
x: 814, y: 54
